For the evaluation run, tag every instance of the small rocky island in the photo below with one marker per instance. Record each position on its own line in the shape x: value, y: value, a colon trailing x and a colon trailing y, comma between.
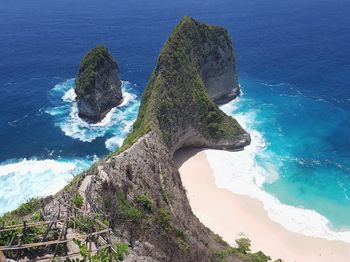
x: 98, y: 85
x: 137, y: 191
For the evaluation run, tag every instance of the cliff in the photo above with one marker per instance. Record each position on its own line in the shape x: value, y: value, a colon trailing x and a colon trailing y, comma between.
x: 215, y: 54
x: 138, y: 189
x: 98, y: 85
x: 176, y: 103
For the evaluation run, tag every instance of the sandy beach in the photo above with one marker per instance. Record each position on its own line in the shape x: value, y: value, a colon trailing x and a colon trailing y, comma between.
x: 234, y: 216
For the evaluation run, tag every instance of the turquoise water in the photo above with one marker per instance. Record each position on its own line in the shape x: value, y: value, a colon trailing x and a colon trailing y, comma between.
x: 305, y: 148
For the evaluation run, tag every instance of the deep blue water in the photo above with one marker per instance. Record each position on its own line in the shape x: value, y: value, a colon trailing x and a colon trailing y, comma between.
x: 293, y: 62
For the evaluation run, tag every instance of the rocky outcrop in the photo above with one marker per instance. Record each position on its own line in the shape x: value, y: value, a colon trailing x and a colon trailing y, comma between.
x: 176, y: 103
x: 98, y: 85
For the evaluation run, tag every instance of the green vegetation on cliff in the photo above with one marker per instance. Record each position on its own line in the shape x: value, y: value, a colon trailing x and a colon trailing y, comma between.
x: 242, y: 251
x: 16, y: 216
x: 89, y: 66
x: 175, y: 99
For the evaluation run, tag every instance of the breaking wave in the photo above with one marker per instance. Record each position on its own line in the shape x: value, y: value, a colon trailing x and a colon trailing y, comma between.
x: 23, y: 179
x: 241, y: 173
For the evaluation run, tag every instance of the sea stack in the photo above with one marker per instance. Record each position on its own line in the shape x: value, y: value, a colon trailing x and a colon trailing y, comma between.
x: 98, y: 85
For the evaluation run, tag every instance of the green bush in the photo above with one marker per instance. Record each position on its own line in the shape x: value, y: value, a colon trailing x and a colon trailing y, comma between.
x: 122, y: 250
x: 77, y: 200
x: 25, y: 209
x: 164, y: 219
x: 259, y: 257
x: 221, y: 253
x: 145, y: 202
x: 28, y: 207
x: 127, y: 209
x: 243, y: 245
x: 242, y: 251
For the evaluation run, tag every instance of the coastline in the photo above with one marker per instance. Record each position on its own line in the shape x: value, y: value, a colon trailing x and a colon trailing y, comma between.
x: 234, y: 216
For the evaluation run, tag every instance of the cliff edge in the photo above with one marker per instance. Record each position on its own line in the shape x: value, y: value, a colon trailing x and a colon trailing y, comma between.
x: 98, y: 85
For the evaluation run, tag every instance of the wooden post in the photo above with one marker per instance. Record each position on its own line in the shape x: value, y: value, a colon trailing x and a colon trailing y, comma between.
x: 43, y: 214
x: 19, y: 251
x: 24, y: 232
x: 65, y: 236
x: 10, y: 243
x: 47, y: 231
x: 49, y: 227
x: 60, y: 237
x: 90, y: 236
x: 110, y: 245
x: 59, y: 210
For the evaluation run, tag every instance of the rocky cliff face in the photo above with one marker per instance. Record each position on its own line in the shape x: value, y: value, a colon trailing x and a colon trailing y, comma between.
x: 164, y: 230
x: 217, y: 63
x: 98, y: 85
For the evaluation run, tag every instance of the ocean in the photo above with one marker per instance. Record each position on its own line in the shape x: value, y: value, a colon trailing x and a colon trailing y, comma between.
x: 293, y: 60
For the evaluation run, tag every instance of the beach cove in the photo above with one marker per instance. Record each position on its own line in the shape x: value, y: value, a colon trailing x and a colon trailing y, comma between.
x: 234, y: 216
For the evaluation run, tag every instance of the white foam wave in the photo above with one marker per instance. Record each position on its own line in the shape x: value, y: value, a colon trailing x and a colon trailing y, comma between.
x: 113, y: 143
x: 127, y: 97
x: 23, y: 179
x: 240, y: 173
x: 69, y: 96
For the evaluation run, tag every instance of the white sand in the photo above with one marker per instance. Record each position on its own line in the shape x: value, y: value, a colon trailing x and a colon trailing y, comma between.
x: 233, y: 216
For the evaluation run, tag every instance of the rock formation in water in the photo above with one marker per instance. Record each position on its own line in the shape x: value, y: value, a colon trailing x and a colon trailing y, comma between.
x: 138, y: 189
x: 98, y: 85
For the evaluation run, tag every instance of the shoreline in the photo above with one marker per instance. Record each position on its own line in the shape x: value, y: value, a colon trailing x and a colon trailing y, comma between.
x: 235, y: 216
